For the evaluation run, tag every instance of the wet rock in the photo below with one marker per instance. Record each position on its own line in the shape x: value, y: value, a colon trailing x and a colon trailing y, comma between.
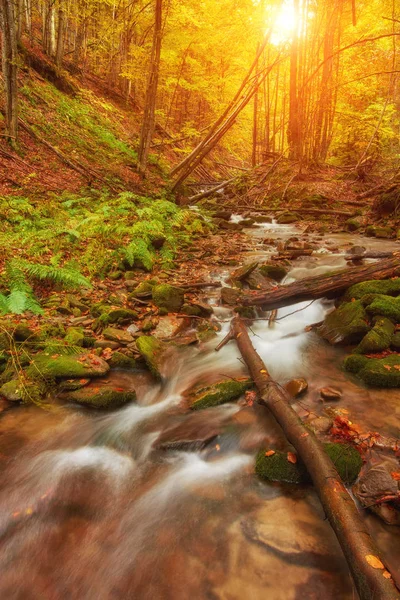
x: 321, y: 424
x: 223, y: 214
x: 262, y: 219
x: 376, y: 485
x: 206, y: 330
x: 287, y: 218
x: 100, y: 397
x: 230, y: 296
x: 169, y: 327
x: 153, y: 352
x: 257, y: 281
x: 247, y: 222
x: 121, y: 361
x: 243, y: 272
x: 106, y: 344
x: 122, y: 315
x: 356, y: 250
x: 274, y: 271
x: 68, y: 366
x: 228, y: 225
x: 149, y: 323
x: 22, y: 390
x: 346, y: 324
x: 218, y: 393
x: 118, y: 335
x: 277, y: 467
x: 378, y: 339
x: 188, y: 436
x: 169, y: 297
x: 330, y: 394
x: 204, y: 309
x: 296, y: 387
x: 384, y: 372
x: 132, y: 329
x: 12, y: 391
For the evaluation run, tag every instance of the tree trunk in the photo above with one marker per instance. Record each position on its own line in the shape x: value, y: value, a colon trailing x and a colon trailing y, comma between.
x: 322, y: 286
x: 294, y: 127
x: 372, y: 582
x: 9, y: 65
x: 60, y: 38
x: 151, y: 93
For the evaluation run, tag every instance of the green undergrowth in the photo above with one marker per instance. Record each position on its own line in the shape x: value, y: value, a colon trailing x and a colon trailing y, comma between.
x: 69, y: 240
x: 86, y: 124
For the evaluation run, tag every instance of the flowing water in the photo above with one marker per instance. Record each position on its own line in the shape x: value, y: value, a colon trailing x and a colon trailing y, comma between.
x: 92, y: 509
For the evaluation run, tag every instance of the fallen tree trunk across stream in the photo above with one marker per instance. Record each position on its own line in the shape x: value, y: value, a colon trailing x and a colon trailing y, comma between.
x: 329, y: 285
x: 372, y: 579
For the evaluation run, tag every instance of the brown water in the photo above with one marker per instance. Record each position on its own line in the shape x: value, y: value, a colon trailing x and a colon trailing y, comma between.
x: 90, y: 509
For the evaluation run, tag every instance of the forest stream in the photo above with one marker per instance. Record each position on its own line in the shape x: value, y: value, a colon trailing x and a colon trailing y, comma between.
x: 103, y: 506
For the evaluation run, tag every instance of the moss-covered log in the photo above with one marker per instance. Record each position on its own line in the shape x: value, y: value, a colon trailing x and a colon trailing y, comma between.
x: 330, y: 285
x: 356, y: 542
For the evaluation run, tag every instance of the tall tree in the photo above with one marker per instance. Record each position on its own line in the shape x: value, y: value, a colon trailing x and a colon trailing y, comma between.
x: 9, y: 65
x: 148, y: 124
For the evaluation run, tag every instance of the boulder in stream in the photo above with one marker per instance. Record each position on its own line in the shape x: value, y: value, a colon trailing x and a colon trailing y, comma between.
x: 296, y: 387
x: 153, y: 352
x: 346, y: 324
x: 378, y: 339
x: 381, y: 372
x: 389, y: 287
x: 101, y: 397
x: 168, y: 296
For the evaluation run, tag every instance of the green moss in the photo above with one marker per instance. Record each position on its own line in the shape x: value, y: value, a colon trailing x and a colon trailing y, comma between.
x: 346, y: 324
x: 121, y: 361
x: 396, y: 341
x: 102, y: 399
x: 388, y: 307
x: 26, y: 391
x: 383, y: 372
x: 353, y: 224
x: 219, y: 393
x: 389, y: 287
x: 346, y: 459
x: 75, y: 336
x: 67, y: 366
x: 144, y: 289
x: 152, y: 351
x: 355, y: 362
x: 99, y: 309
x: 287, y: 218
x: 122, y: 315
x: 189, y: 309
x: 22, y: 332
x: 247, y: 312
x: 168, y: 296
x: 276, y: 272
x: 378, y: 339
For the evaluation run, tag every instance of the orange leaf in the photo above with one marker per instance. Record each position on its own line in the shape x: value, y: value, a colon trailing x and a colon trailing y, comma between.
x: 387, y: 575
x: 388, y: 367
x: 270, y: 453
x: 396, y: 475
x: 305, y: 434
x: 263, y: 371
x: 374, y: 561
x: 292, y: 458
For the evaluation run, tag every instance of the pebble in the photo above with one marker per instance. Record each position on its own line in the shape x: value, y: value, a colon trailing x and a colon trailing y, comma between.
x: 296, y: 387
x: 330, y: 394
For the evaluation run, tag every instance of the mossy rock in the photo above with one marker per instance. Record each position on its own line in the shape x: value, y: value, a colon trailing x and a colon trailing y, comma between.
x: 382, y: 372
x: 102, y: 398
x: 219, y: 393
x: 396, y: 341
x: 247, y: 312
x: 68, y: 366
x: 346, y: 459
x: 168, y: 297
x: 355, y: 362
x: 27, y: 391
x: 191, y: 310
x: 388, y: 307
x: 122, y: 315
x: 287, y: 218
x: 388, y: 287
x: 378, y: 339
x: 121, y: 361
x: 153, y: 352
x: 4, y: 341
x: 143, y: 290
x: 118, y: 335
x: 347, y: 324
x: 379, y: 232
x: 98, y: 309
x: 275, y: 272
x: 206, y: 331
x: 75, y: 336
x: 22, y: 332
x: 353, y: 224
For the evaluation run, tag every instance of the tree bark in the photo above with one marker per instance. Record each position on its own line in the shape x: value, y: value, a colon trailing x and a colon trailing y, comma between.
x: 9, y: 65
x: 60, y: 38
x: 372, y: 583
x: 151, y: 93
x: 329, y: 285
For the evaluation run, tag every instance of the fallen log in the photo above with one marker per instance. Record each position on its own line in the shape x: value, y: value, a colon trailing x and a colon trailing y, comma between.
x: 371, y: 577
x: 329, y: 285
x: 305, y: 211
x: 369, y: 254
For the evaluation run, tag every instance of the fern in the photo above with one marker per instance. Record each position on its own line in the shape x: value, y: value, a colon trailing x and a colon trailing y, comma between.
x: 21, y: 297
x: 65, y: 276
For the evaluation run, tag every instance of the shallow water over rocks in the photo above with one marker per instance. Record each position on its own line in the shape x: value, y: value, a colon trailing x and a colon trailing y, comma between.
x: 92, y: 507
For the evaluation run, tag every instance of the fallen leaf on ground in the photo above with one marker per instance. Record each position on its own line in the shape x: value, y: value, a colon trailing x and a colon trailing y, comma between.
x: 374, y: 561
x: 270, y: 453
x: 292, y: 458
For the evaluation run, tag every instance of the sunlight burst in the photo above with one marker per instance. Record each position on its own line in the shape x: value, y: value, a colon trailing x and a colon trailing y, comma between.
x: 284, y: 24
